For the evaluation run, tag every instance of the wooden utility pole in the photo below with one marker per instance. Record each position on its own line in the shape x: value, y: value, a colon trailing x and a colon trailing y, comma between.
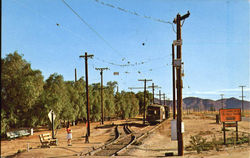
x: 178, y: 65
x: 86, y: 56
x: 221, y: 100
x: 144, y: 108
x: 159, y: 96
x: 75, y: 75
x: 174, y: 82
x: 153, y: 90
x: 242, y: 96
x: 164, y: 101
x: 101, y: 72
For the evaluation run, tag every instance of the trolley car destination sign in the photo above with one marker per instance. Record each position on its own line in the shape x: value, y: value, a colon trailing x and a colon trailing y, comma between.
x: 230, y: 115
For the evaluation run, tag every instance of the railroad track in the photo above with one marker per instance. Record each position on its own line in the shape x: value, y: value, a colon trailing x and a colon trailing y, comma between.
x: 124, y: 137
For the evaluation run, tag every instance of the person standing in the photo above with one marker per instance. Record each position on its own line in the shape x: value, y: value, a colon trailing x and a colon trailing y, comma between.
x: 69, y: 135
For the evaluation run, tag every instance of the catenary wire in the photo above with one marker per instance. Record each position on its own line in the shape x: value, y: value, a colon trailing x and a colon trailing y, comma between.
x: 91, y: 28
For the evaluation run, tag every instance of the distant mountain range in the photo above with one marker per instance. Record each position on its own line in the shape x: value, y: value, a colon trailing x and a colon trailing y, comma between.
x: 208, y: 104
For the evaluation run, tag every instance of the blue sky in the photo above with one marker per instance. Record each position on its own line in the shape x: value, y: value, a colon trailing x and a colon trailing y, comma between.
x: 215, y: 41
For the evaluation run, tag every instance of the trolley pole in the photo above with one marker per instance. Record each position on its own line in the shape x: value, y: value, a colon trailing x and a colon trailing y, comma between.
x: 177, y: 21
x: 101, y: 73
x: 86, y: 56
x: 144, y: 108
x: 174, y: 82
x: 242, y: 101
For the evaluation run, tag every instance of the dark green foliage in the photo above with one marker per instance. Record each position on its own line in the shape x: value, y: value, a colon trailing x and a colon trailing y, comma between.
x: 21, y: 88
x: 27, y: 99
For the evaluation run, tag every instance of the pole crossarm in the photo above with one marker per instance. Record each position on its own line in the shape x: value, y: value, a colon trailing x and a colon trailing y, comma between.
x: 88, y: 56
x: 145, y: 80
x: 135, y: 88
x: 101, y: 69
x: 154, y: 87
x: 182, y: 17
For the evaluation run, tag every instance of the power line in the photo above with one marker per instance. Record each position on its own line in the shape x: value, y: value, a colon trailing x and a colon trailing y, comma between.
x: 136, y: 14
x: 91, y: 28
x: 133, y: 12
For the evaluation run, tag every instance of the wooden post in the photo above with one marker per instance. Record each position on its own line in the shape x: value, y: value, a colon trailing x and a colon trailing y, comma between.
x: 236, y: 130
x: 224, y: 133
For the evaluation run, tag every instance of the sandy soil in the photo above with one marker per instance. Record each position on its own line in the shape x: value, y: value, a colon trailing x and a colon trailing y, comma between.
x: 155, y: 145
x: 98, y: 137
x: 159, y: 142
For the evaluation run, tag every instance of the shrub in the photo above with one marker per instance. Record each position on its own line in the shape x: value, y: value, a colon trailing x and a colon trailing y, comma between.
x: 200, y: 144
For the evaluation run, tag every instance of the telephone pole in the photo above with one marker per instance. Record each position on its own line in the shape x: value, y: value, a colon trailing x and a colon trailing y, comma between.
x: 153, y: 90
x: 75, y: 75
x: 164, y: 101
x: 86, y: 56
x: 144, y: 108
x: 101, y: 72
x: 242, y: 96
x: 159, y: 96
x: 178, y: 65
x: 221, y: 100
x: 174, y: 82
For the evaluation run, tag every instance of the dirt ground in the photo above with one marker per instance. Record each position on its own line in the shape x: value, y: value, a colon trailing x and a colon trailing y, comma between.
x: 155, y: 145
x: 159, y: 142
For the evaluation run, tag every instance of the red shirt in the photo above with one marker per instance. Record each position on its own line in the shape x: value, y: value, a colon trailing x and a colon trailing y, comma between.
x: 68, y: 130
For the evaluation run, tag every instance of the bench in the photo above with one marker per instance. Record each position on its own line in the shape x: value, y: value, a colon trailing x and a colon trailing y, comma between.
x: 16, y: 134
x: 46, y: 140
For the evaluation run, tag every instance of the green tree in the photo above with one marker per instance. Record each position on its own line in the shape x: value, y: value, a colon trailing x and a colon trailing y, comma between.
x: 55, y: 97
x: 21, y: 88
x: 80, y: 94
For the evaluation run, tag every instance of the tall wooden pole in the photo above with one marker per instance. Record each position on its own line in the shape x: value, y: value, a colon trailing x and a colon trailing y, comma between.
x: 179, y: 91
x: 160, y: 96
x: 222, y: 100
x: 87, y: 93
x: 164, y: 101
x: 153, y: 89
x: 242, y: 101
x: 75, y: 75
x: 144, y: 107
x: 179, y: 82
x: 102, y: 107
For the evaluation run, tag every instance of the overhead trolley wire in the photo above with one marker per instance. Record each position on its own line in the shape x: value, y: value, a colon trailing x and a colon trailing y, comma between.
x: 91, y: 28
x: 136, y: 14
